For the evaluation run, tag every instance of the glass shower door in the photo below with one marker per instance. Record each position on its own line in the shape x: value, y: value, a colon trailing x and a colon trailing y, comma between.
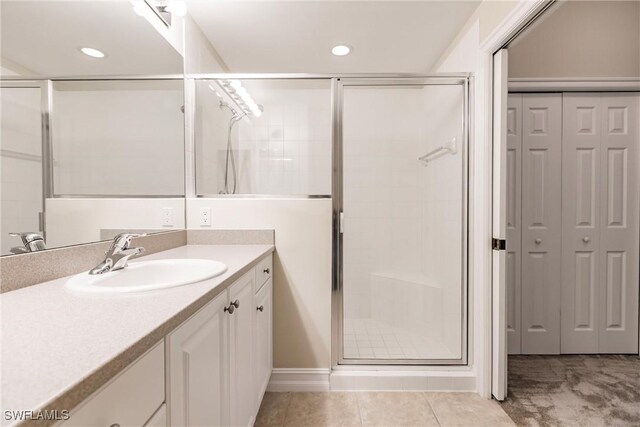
x: 403, y: 204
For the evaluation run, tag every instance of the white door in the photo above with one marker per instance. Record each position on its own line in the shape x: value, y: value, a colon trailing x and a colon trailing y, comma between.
x: 600, y: 220
x: 242, y: 394
x: 581, y: 177
x: 514, y: 217
x: 619, y: 192
x: 499, y: 228
x: 197, y: 374
x: 541, y: 222
x: 263, y: 340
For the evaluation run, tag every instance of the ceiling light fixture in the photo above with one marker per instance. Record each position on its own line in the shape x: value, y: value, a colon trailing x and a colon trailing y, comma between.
x: 341, y: 50
x: 94, y: 53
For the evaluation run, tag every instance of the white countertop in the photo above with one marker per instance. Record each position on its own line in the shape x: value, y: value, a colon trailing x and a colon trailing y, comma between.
x: 58, y: 346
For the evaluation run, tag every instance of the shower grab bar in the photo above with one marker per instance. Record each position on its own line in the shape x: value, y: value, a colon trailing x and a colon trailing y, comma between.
x: 449, y: 147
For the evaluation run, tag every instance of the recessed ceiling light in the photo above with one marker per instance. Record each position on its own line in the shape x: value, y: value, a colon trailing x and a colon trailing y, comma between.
x: 341, y: 50
x: 94, y: 53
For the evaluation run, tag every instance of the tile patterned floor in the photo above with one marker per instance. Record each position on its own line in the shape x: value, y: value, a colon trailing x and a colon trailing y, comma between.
x: 585, y: 391
x: 372, y: 339
x: 379, y: 409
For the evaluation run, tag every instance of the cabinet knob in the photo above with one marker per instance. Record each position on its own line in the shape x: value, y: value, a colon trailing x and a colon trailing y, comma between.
x: 230, y: 309
x: 266, y: 271
x: 586, y: 239
x: 235, y: 303
x: 115, y: 425
x: 538, y: 241
x: 261, y: 308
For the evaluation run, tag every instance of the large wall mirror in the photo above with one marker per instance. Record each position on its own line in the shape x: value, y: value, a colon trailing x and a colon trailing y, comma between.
x: 92, y: 123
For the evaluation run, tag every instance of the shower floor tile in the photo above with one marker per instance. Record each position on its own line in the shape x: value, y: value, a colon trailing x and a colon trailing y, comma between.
x: 372, y: 339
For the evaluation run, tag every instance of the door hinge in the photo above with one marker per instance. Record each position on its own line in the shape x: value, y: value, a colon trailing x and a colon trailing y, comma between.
x: 498, y: 244
x: 341, y: 222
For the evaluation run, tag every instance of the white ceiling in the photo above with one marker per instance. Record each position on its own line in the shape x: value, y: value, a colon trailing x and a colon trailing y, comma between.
x: 44, y: 37
x: 297, y: 36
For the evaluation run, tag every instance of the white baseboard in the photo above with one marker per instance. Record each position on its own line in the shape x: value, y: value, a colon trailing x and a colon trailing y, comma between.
x: 292, y: 379
x: 450, y: 381
x: 320, y: 379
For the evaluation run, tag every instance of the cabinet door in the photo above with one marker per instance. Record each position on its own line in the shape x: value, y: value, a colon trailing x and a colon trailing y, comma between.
x: 263, y: 340
x: 197, y: 368
x: 242, y: 394
x: 541, y: 223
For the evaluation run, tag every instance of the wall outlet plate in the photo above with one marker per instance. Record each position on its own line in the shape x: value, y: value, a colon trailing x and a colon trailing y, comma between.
x: 167, y: 217
x: 205, y: 217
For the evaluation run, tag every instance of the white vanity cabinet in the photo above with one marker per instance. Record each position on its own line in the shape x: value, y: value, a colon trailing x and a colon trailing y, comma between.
x: 219, y: 360
x: 263, y: 339
x: 133, y: 398
x: 197, y: 375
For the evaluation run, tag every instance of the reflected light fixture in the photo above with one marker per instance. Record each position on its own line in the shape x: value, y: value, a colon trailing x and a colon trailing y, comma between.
x: 94, y: 53
x: 341, y: 50
x: 176, y: 7
x: 242, y: 98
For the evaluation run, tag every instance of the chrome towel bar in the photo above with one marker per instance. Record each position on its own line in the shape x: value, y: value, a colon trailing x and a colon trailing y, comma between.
x: 449, y: 147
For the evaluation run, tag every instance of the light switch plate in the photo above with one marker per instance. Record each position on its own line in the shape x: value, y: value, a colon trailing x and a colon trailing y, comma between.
x: 205, y: 217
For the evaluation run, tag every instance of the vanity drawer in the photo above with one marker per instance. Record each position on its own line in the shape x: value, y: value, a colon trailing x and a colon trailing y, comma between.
x: 129, y: 399
x: 264, y: 270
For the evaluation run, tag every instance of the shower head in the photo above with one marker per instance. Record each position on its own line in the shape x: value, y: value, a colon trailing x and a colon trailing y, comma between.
x: 226, y: 105
x: 255, y: 112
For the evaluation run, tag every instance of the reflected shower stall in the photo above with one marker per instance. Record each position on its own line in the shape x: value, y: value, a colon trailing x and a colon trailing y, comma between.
x: 392, y: 154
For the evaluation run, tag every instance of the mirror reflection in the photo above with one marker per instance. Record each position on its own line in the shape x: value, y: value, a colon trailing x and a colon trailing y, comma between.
x: 91, y: 123
x: 263, y: 137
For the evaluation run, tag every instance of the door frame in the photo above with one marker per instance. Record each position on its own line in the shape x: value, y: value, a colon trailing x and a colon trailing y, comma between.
x: 337, y: 86
x: 523, y: 15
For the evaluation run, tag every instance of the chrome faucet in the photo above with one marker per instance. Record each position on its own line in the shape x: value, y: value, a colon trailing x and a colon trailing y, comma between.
x: 118, y: 254
x: 31, y: 242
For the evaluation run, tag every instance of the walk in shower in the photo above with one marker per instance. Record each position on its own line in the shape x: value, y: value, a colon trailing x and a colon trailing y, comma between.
x: 400, y: 208
x: 392, y: 154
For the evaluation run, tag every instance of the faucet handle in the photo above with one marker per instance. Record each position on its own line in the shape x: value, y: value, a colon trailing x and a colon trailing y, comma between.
x: 123, y: 240
x: 27, y: 237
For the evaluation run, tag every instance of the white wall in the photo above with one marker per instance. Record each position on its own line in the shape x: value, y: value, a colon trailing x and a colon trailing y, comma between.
x: 20, y: 164
x: 581, y: 39
x: 75, y: 221
x: 199, y: 55
x: 302, y: 269
x: 468, y: 53
x: 118, y: 138
x: 465, y: 55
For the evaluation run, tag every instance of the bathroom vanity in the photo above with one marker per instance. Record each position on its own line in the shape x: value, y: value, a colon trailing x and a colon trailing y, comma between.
x: 198, y: 354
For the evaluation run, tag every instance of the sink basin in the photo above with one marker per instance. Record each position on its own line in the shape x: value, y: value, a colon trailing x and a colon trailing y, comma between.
x: 147, y: 276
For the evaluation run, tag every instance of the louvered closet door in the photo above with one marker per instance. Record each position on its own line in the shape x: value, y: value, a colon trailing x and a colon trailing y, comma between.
x: 514, y: 216
x: 541, y: 223
x: 581, y: 179
x: 618, y: 308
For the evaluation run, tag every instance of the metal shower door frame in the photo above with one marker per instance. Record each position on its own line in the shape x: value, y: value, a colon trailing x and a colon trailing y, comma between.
x: 45, y: 87
x: 337, y: 289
